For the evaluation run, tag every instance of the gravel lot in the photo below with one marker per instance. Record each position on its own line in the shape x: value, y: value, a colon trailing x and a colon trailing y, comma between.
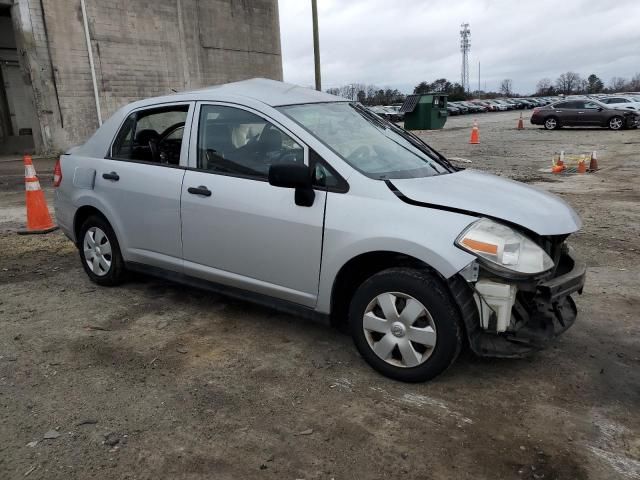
x: 152, y: 380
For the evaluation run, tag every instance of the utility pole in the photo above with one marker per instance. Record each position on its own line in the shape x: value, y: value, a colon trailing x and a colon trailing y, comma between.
x: 316, y: 43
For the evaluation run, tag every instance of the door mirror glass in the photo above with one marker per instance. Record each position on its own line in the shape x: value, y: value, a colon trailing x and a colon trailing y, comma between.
x: 294, y: 175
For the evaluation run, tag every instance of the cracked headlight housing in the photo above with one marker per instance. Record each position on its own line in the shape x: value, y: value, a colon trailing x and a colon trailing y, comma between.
x: 503, y: 247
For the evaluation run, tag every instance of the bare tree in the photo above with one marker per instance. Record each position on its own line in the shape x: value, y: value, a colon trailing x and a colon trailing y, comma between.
x: 634, y: 84
x: 568, y: 82
x: 618, y: 84
x: 506, y: 87
x: 544, y: 87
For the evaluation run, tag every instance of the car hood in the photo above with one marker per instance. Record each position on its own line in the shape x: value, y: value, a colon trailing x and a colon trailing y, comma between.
x: 483, y: 194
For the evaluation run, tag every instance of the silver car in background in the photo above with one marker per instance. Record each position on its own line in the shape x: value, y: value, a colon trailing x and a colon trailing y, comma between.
x: 312, y: 204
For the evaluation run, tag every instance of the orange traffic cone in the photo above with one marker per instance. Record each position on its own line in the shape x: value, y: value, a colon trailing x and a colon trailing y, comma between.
x: 38, y: 218
x: 582, y: 167
x: 475, y: 134
x: 593, y: 164
x: 520, y: 123
x: 561, y: 159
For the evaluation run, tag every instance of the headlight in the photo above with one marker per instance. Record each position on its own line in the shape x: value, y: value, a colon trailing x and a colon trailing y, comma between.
x: 504, y: 247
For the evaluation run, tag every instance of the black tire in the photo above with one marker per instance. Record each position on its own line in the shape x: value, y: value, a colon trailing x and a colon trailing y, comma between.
x: 551, y: 123
x: 434, y: 296
x: 115, y: 274
x: 614, y: 121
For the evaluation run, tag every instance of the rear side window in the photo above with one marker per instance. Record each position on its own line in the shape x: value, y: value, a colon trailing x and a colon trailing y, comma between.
x: 153, y: 135
x: 236, y: 142
x: 562, y: 105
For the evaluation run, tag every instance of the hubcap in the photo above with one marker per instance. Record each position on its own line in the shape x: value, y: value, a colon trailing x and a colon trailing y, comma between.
x: 399, y: 329
x: 616, y: 123
x: 551, y: 123
x: 97, y: 251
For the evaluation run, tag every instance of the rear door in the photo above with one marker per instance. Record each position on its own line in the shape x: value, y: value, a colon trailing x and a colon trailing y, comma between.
x: 566, y: 112
x: 237, y: 229
x: 141, y: 180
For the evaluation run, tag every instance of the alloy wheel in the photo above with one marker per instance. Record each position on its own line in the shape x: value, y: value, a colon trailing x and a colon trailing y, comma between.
x: 550, y: 123
x: 97, y: 251
x: 399, y: 329
x: 615, y: 123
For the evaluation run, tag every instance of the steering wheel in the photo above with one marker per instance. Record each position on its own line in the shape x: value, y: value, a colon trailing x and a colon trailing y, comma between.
x: 360, y: 153
x: 155, y: 145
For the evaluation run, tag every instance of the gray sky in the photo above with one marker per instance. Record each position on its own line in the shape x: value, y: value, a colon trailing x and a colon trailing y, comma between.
x: 400, y: 43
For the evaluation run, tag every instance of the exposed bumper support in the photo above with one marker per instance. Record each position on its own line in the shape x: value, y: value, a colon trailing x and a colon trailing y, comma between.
x: 542, y: 315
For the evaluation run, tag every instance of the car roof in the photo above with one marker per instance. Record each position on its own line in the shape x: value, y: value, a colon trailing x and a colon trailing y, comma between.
x: 269, y: 92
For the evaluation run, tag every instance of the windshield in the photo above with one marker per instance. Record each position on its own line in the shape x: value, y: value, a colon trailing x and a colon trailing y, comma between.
x: 371, y: 145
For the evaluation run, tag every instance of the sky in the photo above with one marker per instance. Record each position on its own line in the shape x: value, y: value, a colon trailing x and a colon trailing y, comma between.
x: 399, y: 43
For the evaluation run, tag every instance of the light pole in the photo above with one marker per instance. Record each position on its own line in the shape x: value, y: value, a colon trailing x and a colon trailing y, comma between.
x: 316, y: 43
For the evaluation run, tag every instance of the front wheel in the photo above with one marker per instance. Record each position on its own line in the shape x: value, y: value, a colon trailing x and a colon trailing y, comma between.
x: 405, y: 324
x: 616, y: 123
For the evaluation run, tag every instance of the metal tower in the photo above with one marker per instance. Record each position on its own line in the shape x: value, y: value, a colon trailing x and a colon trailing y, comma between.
x: 465, y: 46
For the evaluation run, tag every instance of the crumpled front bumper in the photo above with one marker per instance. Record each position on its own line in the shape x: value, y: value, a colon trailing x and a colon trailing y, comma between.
x: 542, y: 313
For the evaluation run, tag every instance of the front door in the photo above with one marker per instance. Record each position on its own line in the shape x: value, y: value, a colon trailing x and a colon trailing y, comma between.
x: 239, y: 230
x: 592, y: 114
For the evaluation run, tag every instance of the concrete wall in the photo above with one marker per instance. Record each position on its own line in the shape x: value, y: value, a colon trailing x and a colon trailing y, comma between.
x: 141, y: 48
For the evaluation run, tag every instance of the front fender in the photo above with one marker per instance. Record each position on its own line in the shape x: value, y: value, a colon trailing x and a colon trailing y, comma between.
x: 422, y: 233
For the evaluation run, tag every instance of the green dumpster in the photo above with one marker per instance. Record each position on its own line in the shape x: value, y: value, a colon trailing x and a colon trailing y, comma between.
x: 425, y: 112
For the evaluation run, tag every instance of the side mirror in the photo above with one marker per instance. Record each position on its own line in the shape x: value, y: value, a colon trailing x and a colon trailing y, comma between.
x: 294, y: 175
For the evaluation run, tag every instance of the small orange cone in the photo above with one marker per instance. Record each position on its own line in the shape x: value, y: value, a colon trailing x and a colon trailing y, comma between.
x: 593, y: 164
x: 582, y: 167
x: 520, y: 123
x: 561, y: 159
x: 38, y: 218
x: 475, y: 134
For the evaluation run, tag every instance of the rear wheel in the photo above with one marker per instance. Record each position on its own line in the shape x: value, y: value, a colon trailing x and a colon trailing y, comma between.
x: 551, y: 123
x: 616, y: 123
x: 100, y: 252
x: 405, y: 324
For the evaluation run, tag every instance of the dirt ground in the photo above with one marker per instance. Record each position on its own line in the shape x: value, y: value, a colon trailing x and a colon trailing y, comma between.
x: 152, y: 380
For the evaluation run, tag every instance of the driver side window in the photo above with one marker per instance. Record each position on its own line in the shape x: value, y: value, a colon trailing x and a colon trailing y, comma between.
x: 153, y: 135
x: 232, y: 141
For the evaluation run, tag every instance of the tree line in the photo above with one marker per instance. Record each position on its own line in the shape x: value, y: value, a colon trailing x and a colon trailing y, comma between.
x: 567, y: 83
x: 368, y: 94
x: 572, y: 83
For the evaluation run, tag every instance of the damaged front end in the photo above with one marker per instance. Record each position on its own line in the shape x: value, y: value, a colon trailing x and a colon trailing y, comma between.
x: 511, y: 314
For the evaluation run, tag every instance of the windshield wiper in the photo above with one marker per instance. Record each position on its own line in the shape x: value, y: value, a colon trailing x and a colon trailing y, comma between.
x: 410, y: 137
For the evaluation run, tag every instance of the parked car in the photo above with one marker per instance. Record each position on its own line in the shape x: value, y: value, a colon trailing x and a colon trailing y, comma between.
x: 308, y: 202
x: 621, y: 103
x: 581, y: 113
x: 460, y: 107
x: 499, y: 106
x: 527, y: 103
x: 393, y: 113
x: 453, y: 110
x: 489, y: 106
x: 474, y: 108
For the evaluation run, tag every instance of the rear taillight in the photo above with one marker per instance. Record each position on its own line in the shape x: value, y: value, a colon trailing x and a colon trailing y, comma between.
x: 536, y: 110
x: 57, y: 174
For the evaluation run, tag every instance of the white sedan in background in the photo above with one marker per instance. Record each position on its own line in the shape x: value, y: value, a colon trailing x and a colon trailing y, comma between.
x: 626, y: 103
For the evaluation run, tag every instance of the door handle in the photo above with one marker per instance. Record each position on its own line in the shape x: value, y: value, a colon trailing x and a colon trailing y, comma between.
x: 111, y: 176
x: 201, y: 190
